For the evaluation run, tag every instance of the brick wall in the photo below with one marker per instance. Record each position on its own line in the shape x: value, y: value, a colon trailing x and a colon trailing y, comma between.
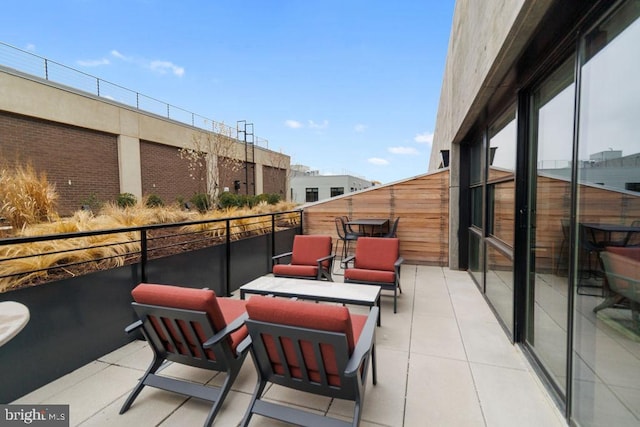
x: 231, y: 170
x: 79, y: 162
x: 274, y: 181
x: 165, y: 174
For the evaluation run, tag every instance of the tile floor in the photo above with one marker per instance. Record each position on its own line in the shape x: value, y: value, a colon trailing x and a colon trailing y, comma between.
x: 443, y: 361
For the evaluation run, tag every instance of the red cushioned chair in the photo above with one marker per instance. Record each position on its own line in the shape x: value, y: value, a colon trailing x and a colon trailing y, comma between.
x: 192, y: 327
x: 316, y: 348
x: 376, y: 262
x: 311, y: 258
x: 622, y: 270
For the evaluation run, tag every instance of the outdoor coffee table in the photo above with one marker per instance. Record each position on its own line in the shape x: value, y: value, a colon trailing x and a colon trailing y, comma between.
x: 315, y: 290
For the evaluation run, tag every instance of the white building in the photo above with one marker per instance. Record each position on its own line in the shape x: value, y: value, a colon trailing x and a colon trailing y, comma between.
x: 310, y: 186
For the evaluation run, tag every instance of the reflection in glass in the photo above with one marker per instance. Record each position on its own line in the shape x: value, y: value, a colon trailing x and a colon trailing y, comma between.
x: 547, y: 288
x: 502, y: 211
x: 476, y: 206
x: 500, y: 284
x: 607, y: 338
x: 476, y: 265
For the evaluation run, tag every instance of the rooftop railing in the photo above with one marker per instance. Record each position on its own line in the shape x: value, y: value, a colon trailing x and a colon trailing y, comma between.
x: 26, y: 62
x: 25, y: 261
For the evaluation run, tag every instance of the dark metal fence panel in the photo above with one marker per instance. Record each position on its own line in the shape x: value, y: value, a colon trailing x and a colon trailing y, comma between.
x: 72, y: 322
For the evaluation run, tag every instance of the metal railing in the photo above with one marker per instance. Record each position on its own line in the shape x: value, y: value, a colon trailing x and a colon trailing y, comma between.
x: 26, y: 62
x: 29, y: 260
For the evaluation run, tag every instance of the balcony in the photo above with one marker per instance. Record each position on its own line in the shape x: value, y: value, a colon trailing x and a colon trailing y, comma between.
x: 443, y: 360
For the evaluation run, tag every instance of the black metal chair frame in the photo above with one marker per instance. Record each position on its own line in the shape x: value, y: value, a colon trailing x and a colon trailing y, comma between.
x: 226, y: 359
x: 322, y: 271
x: 353, y: 370
x: 346, y: 236
x: 394, y: 229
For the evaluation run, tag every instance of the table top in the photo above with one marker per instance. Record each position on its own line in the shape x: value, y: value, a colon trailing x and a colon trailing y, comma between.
x: 369, y: 221
x: 316, y: 289
x: 13, y: 317
x: 613, y: 228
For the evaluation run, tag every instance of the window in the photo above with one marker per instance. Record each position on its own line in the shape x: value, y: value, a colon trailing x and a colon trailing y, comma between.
x: 336, y: 191
x: 605, y: 381
x: 311, y: 195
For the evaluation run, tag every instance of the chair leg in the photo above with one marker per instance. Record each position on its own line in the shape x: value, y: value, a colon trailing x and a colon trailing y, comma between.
x: 155, y: 365
x: 224, y: 390
x: 256, y: 395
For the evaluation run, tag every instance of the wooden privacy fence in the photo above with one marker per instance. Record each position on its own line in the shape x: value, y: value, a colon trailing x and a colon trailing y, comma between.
x: 422, y: 203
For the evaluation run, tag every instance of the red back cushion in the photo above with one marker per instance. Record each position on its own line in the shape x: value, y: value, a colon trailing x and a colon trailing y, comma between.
x: 306, y: 315
x: 307, y: 249
x: 189, y: 299
x: 179, y: 297
x: 626, y: 271
x: 629, y: 252
x: 377, y: 253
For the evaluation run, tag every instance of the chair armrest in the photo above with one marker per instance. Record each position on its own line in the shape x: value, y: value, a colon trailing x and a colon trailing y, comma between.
x: 132, y: 327
x: 244, y: 345
x: 348, y: 259
x: 237, y: 323
x: 364, y: 344
x: 324, y: 258
x: 399, y: 261
x: 277, y: 257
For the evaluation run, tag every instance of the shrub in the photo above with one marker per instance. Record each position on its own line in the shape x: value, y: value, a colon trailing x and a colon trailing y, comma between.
x: 126, y: 200
x: 228, y: 200
x: 154, y: 201
x: 202, y: 201
x: 91, y: 203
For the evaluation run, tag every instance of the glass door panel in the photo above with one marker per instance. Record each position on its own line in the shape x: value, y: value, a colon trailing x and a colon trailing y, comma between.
x: 552, y: 113
x: 606, y: 376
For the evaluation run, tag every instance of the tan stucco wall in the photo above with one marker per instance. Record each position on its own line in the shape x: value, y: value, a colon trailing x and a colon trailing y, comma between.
x: 487, y: 37
x: 31, y: 96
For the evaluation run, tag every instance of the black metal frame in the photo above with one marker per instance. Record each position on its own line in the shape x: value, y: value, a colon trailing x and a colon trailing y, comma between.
x: 395, y: 286
x: 353, y: 370
x: 167, y: 350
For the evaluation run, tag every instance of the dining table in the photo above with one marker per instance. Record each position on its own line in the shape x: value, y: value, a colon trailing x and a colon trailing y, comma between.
x: 370, y: 227
x: 602, y: 235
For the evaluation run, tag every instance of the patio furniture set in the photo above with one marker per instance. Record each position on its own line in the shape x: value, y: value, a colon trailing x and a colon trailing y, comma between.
x: 304, y: 345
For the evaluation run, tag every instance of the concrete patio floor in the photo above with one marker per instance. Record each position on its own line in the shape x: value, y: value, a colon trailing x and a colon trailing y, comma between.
x: 443, y: 360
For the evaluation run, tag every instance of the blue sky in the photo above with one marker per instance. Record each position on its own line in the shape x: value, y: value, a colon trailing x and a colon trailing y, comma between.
x: 342, y: 86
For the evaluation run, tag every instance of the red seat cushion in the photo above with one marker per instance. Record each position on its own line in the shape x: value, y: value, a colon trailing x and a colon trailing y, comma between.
x: 295, y: 270
x: 377, y: 253
x: 306, y: 315
x: 307, y: 249
x: 377, y: 276
x: 219, y: 310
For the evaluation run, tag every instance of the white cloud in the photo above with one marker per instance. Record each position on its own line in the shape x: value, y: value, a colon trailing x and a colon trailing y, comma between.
x: 360, y: 127
x: 30, y: 47
x: 293, y: 124
x: 424, y: 138
x: 93, y: 62
x: 403, y: 150
x: 163, y: 66
x: 119, y: 55
x: 378, y: 161
x: 314, y: 125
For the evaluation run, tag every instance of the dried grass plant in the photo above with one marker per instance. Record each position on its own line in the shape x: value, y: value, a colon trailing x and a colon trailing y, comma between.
x: 112, y: 250
x: 26, y: 197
